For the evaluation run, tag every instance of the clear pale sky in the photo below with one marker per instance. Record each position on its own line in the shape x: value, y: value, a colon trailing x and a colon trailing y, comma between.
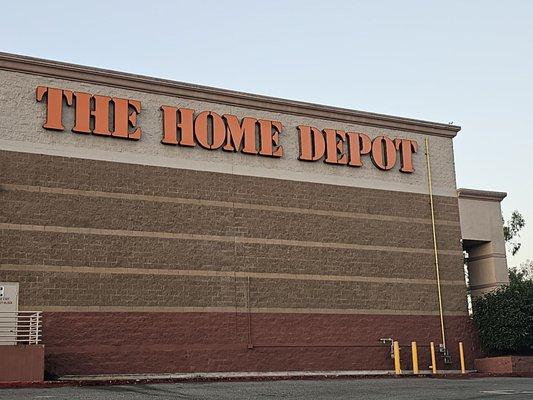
x: 470, y: 62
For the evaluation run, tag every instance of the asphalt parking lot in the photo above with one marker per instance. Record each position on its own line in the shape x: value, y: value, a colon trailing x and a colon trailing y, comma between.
x: 422, y: 388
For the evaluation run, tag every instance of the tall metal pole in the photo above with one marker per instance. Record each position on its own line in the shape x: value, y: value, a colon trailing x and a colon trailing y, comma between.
x: 435, y: 243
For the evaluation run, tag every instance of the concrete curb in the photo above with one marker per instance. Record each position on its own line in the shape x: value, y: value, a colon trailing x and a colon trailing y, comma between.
x: 132, y: 379
x: 244, y: 375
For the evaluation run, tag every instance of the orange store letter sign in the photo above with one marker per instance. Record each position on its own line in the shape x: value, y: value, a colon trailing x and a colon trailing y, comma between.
x: 92, y: 113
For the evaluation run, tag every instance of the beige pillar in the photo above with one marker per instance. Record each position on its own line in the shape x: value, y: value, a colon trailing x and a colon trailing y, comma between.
x: 482, y: 234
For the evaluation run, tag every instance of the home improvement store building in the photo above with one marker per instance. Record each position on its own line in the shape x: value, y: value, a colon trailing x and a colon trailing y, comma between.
x: 168, y: 227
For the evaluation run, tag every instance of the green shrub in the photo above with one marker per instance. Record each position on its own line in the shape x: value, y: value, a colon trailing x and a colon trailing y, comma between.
x: 504, y: 318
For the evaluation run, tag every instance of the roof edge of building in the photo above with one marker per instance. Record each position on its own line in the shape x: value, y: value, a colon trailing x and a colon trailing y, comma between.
x: 62, y: 70
x: 477, y: 194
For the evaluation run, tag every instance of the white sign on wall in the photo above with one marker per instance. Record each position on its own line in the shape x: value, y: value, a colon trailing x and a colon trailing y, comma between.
x: 9, y: 294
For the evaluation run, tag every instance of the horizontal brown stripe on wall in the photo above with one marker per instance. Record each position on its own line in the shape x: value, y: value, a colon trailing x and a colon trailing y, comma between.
x: 50, y: 209
x: 222, y: 204
x: 360, y: 295
x: 94, y: 176
x: 39, y: 288
x: 254, y: 310
x: 71, y: 249
x: 216, y: 238
x: 236, y: 274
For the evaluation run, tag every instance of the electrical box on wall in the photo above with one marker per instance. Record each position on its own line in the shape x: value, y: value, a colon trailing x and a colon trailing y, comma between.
x: 9, y: 304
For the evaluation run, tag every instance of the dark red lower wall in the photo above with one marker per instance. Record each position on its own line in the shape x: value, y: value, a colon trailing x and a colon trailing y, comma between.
x: 22, y: 363
x: 111, y: 343
x: 505, y: 365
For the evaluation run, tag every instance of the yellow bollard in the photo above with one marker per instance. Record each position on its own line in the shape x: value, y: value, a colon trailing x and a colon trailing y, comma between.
x: 396, y: 349
x: 433, y: 360
x: 462, y: 358
x: 414, y: 353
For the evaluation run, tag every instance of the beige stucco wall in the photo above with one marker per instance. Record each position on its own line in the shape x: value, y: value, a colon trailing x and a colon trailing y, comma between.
x: 482, y: 234
x: 482, y: 220
x: 22, y: 119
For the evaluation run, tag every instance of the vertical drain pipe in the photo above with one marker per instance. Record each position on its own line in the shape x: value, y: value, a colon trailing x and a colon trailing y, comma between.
x: 435, y: 243
x: 250, y: 342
